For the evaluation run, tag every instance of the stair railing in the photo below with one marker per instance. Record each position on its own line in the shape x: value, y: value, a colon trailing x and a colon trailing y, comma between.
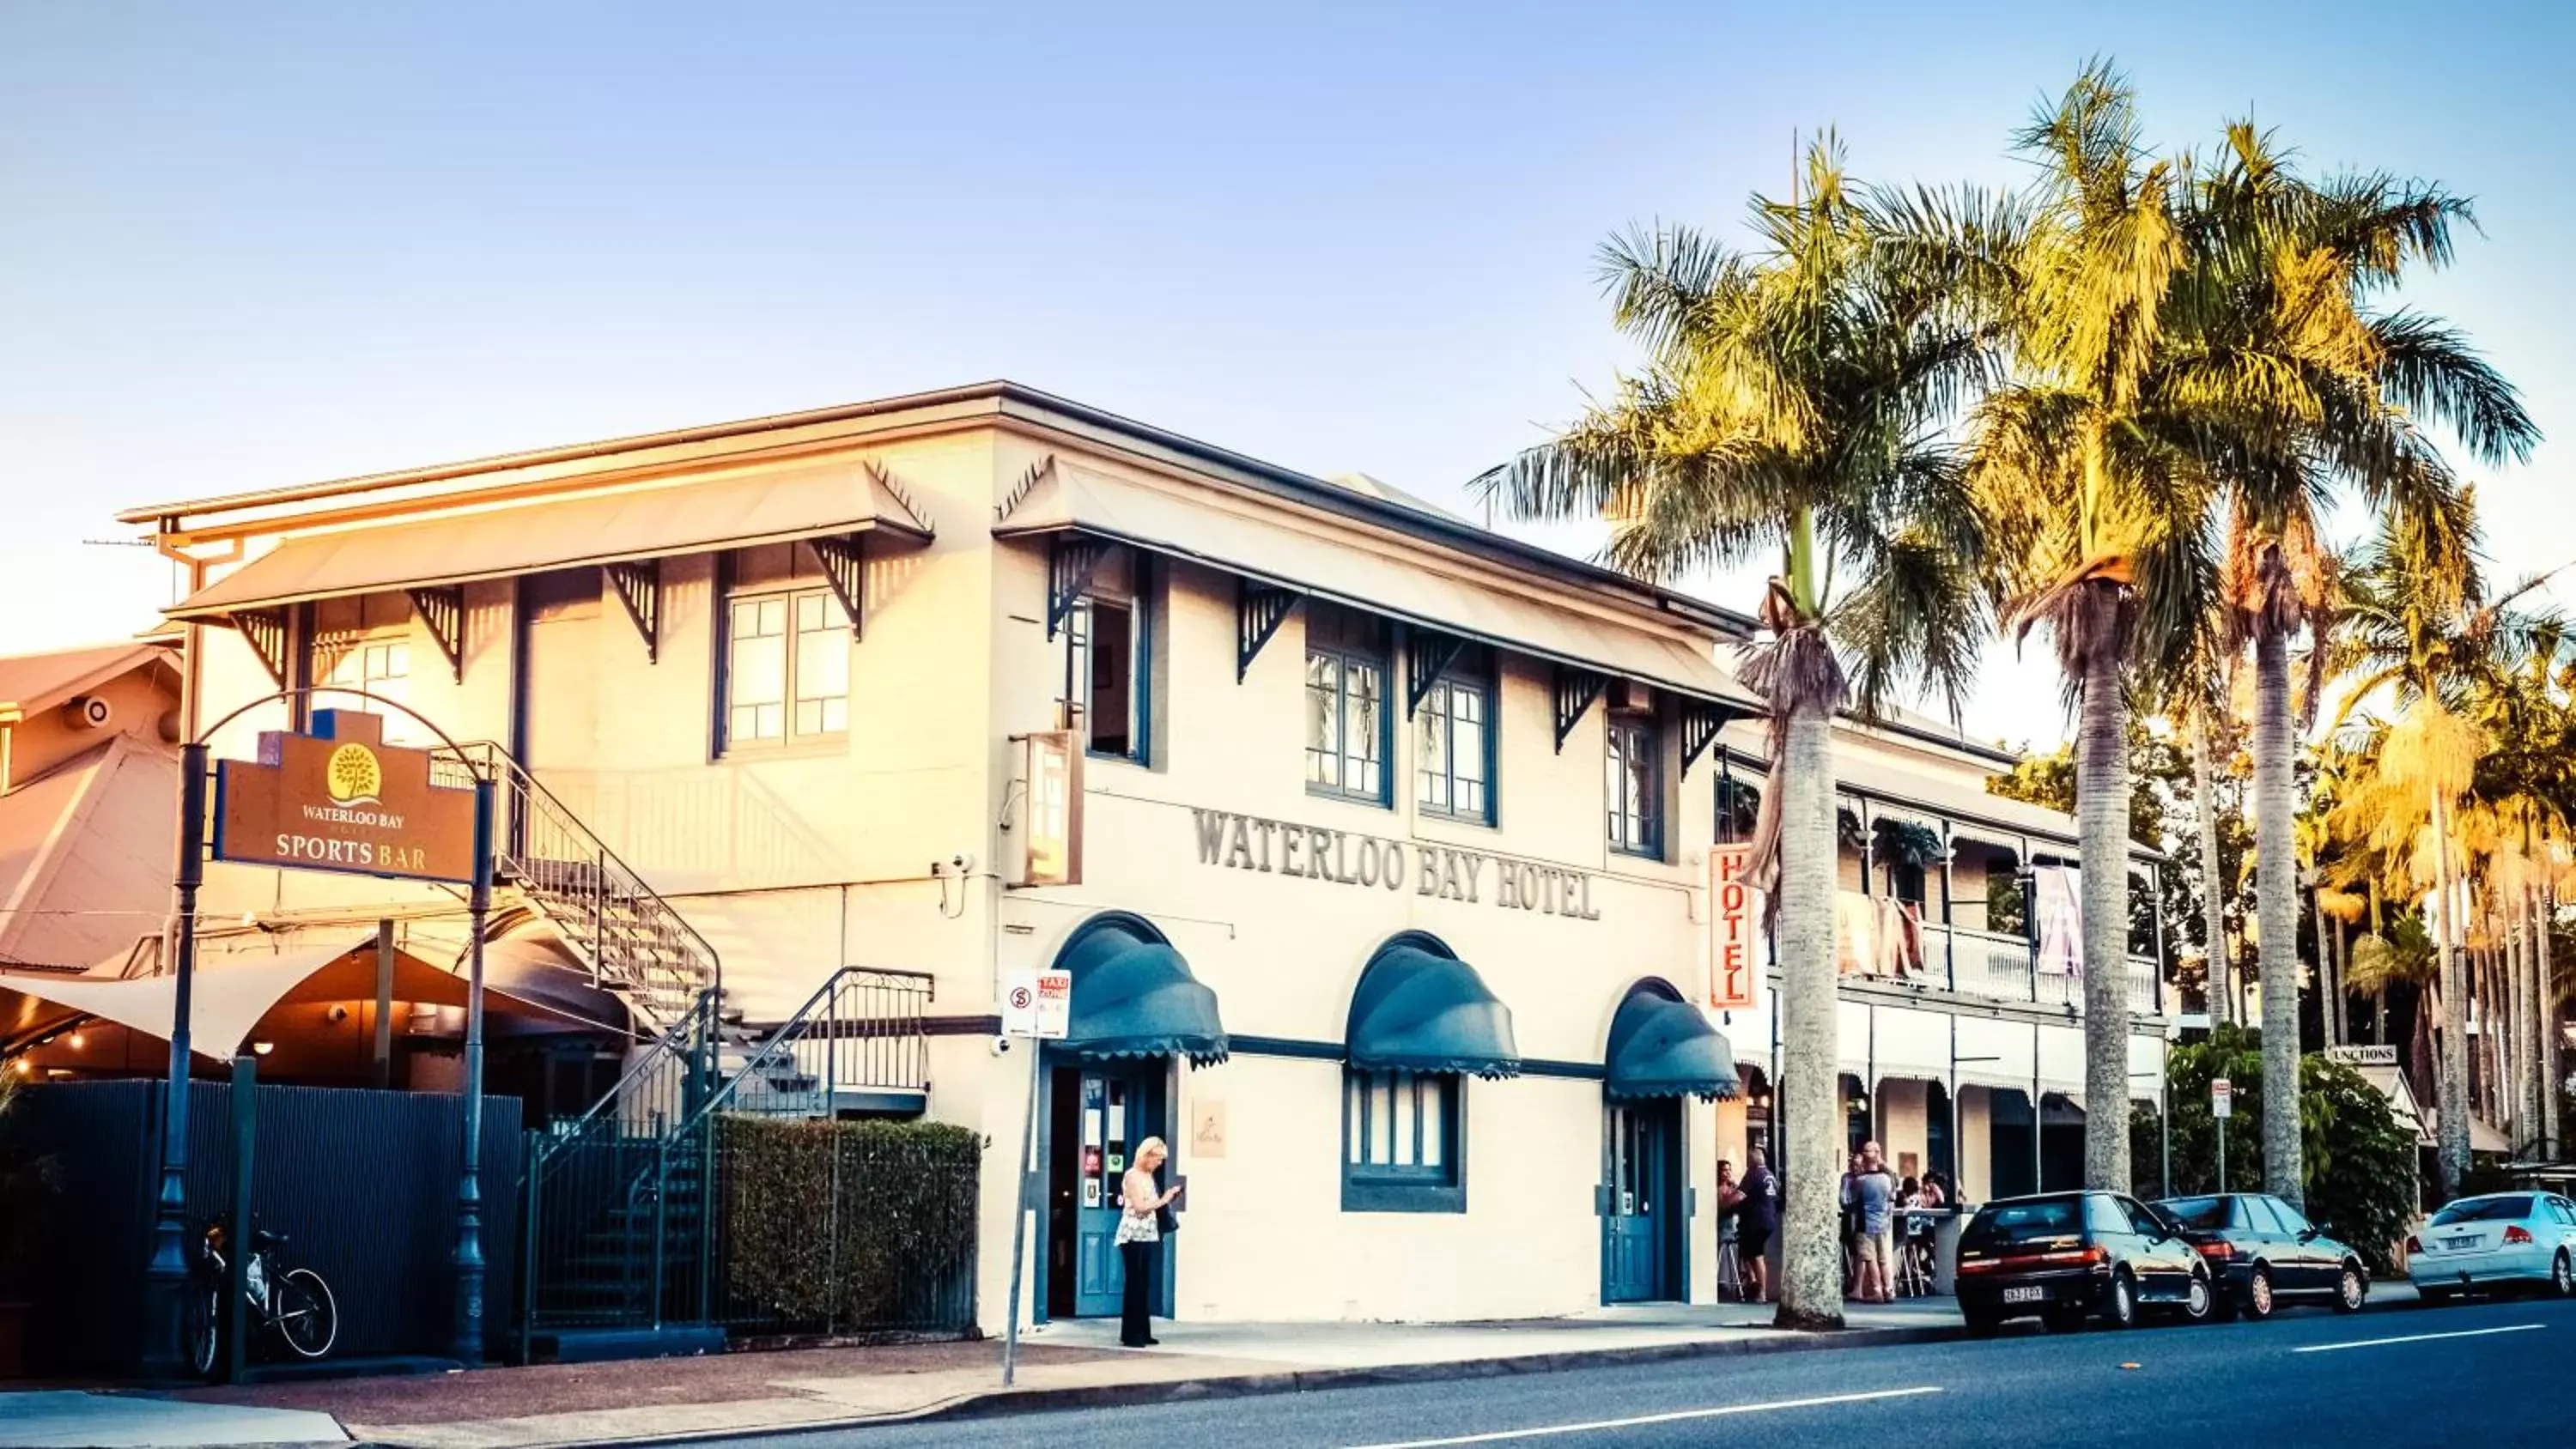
x: 631, y: 938
x: 877, y: 1013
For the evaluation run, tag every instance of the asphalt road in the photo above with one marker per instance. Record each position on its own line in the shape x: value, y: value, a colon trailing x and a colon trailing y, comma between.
x: 2488, y: 1374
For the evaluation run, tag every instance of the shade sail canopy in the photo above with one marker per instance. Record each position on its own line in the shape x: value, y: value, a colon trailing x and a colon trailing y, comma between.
x: 1359, y: 571
x: 1660, y: 1047
x: 1133, y: 995
x: 1420, y: 1009
x: 231, y: 997
x: 677, y: 518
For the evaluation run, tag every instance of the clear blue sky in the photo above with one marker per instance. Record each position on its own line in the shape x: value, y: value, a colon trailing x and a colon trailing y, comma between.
x: 253, y: 244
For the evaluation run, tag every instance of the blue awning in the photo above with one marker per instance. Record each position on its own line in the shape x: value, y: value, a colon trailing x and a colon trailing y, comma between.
x: 1660, y: 1047
x: 1419, y: 1008
x: 1133, y: 995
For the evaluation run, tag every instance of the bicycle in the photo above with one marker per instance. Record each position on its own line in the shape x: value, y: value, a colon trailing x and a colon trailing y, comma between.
x: 295, y: 1305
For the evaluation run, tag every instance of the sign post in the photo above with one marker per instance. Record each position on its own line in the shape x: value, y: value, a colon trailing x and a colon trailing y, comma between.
x: 1037, y: 1006
x: 2222, y: 1104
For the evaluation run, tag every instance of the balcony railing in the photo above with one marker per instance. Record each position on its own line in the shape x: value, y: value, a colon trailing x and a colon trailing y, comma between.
x: 1987, y: 965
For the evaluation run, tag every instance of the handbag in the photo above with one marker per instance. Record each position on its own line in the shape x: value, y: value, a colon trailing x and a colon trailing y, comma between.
x: 1166, y: 1221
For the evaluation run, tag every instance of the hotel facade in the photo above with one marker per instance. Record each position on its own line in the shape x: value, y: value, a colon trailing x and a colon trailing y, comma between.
x: 1390, y: 905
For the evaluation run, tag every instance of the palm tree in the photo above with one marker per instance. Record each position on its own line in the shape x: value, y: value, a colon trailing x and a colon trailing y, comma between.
x: 2092, y: 469
x: 1793, y: 399
x: 2416, y: 629
x: 2320, y: 392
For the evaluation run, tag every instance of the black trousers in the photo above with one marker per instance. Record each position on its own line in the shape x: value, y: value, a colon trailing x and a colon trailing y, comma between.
x: 1136, y: 1310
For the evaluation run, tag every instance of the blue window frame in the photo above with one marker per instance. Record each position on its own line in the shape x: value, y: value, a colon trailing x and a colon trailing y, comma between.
x: 1108, y: 663
x: 1454, y: 758
x: 1633, y: 785
x: 1348, y: 726
x: 1403, y: 1147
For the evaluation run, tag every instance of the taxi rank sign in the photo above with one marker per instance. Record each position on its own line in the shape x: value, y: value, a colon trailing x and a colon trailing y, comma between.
x: 341, y: 799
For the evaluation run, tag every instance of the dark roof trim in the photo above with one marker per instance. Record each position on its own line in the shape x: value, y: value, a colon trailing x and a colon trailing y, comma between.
x: 1269, y: 477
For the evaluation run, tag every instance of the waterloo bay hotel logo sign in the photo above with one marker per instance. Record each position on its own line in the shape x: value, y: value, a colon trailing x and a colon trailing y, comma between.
x: 1283, y: 847
x: 342, y: 799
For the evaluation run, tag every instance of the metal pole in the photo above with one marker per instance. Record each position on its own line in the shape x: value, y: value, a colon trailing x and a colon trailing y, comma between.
x: 1020, y: 1220
x: 467, y: 1347
x: 2222, y: 1154
x: 384, y: 1053
x: 165, y: 1279
x: 2164, y: 1114
x: 236, y: 1289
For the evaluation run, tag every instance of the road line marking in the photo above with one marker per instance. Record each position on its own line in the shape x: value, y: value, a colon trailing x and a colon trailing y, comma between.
x: 2417, y: 1338
x: 1675, y: 1417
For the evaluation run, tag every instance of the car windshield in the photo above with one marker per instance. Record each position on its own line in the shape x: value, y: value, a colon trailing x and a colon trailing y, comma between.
x: 2484, y: 1210
x: 2022, y: 1222
x: 2207, y: 1213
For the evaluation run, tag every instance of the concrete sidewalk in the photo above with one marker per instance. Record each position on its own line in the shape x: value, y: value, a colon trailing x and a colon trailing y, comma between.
x: 1061, y: 1364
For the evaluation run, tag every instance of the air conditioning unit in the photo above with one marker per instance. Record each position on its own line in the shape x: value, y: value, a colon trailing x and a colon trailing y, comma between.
x: 89, y: 712
x: 1628, y: 696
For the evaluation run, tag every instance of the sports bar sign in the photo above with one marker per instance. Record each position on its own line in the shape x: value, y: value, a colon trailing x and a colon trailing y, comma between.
x: 341, y: 799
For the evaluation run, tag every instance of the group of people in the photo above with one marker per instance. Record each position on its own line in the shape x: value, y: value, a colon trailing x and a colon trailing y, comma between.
x: 1872, y: 1198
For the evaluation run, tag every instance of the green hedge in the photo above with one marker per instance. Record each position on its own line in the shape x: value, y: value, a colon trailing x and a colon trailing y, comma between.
x: 843, y: 1226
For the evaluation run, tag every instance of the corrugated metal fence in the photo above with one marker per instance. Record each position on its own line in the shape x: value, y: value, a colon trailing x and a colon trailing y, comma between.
x: 362, y: 1183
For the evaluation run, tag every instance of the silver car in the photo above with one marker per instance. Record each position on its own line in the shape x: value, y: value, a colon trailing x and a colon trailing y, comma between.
x: 2499, y: 1239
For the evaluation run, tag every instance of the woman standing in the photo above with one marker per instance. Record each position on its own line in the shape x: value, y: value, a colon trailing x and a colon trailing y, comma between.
x: 1140, y: 1237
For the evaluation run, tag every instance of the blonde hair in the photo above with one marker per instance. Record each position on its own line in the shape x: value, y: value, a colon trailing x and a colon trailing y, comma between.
x: 1149, y: 1147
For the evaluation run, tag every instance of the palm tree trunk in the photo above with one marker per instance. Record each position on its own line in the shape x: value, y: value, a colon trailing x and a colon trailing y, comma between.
x: 2213, y: 894
x: 2551, y: 1073
x: 1811, y: 1279
x: 2454, y: 1093
x: 2276, y: 904
x: 2329, y: 993
x: 2102, y: 831
x: 2526, y: 1054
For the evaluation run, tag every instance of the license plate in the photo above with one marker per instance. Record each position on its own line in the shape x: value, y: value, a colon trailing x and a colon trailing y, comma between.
x: 2468, y: 1242
x: 2025, y: 1295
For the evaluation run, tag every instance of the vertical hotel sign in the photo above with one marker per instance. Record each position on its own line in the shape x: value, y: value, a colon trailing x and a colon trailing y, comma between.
x: 1055, y: 809
x: 341, y: 799
x: 1730, y: 928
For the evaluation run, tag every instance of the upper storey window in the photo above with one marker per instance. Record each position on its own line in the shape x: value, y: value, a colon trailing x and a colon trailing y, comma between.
x: 786, y: 671
x: 1347, y: 734
x: 1106, y: 665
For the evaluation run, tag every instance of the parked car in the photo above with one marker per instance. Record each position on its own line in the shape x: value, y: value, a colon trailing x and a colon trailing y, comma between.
x: 2067, y: 1257
x: 2265, y: 1252
x: 2502, y: 1239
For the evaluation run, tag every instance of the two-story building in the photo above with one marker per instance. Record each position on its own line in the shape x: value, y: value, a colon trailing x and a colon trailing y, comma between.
x: 1392, y: 908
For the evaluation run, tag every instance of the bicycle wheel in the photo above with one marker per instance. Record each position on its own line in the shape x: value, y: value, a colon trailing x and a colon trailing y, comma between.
x: 307, y: 1318
x: 204, y: 1314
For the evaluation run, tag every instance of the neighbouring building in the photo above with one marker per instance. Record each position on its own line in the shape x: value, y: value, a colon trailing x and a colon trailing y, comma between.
x: 1392, y: 909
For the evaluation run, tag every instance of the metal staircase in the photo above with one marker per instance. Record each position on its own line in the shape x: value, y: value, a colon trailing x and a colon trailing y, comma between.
x: 623, y: 1206
x: 632, y: 940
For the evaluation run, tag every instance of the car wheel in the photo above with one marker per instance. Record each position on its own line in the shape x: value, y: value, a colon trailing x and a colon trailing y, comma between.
x: 2258, y: 1294
x: 2561, y: 1280
x: 2350, y: 1289
x: 2198, y: 1301
x: 2123, y: 1306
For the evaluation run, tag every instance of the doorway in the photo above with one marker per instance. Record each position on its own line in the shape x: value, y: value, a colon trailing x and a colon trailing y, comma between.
x: 1642, y: 1221
x: 1096, y: 1114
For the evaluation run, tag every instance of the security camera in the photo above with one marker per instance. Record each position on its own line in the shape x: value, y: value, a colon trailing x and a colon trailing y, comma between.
x: 1001, y: 1046
x: 962, y: 864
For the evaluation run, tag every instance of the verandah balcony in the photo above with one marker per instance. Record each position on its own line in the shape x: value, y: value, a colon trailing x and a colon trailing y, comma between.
x: 1988, y: 965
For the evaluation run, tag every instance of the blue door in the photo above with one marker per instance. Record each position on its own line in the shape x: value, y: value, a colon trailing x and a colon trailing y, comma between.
x: 1101, y: 1113
x: 1641, y: 1221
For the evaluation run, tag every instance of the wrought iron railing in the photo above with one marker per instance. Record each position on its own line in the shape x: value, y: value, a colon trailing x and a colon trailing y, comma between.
x: 634, y: 942
x: 1994, y: 967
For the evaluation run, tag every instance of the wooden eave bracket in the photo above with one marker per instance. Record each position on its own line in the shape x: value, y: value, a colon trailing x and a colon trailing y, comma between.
x: 1427, y: 654
x: 1574, y: 690
x: 1071, y: 561
x: 845, y: 567
x: 267, y: 633
x: 1259, y: 610
x: 443, y: 610
x: 1701, y: 721
x: 638, y: 585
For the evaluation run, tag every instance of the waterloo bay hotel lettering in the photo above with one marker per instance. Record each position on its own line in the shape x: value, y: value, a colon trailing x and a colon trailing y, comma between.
x: 1283, y: 847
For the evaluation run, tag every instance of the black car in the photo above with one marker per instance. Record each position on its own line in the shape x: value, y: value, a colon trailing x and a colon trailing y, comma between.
x: 2066, y: 1257
x: 2267, y: 1253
